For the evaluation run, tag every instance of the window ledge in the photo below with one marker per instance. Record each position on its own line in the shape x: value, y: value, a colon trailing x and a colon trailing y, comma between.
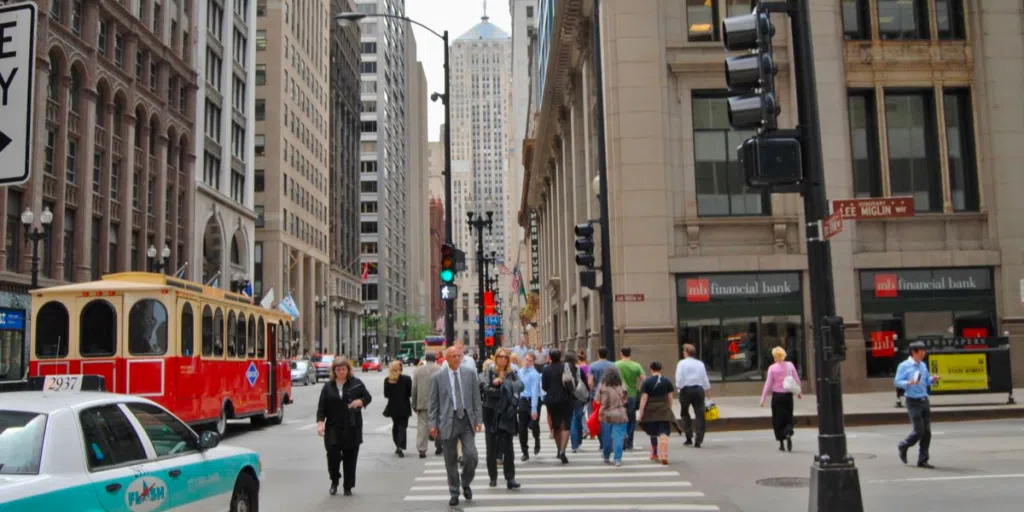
x: 932, y: 216
x: 737, y: 220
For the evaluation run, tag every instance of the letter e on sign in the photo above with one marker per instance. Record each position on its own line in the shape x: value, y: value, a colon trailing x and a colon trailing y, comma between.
x: 17, y: 70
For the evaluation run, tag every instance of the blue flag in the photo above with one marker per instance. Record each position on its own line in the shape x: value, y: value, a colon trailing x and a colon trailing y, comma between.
x: 247, y: 290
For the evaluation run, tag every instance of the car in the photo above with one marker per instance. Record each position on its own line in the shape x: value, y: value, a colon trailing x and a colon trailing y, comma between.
x: 371, y: 364
x: 322, y: 363
x: 303, y: 371
x: 92, y: 450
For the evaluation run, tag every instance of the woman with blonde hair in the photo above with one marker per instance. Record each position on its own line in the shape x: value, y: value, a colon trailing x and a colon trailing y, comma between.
x: 782, y: 381
x: 398, y: 392
x: 501, y: 388
x: 339, y: 420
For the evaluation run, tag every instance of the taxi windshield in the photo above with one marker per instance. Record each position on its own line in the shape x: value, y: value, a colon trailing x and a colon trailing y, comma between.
x: 21, y: 442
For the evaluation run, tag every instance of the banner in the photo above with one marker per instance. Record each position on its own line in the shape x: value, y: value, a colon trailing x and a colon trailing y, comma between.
x: 959, y: 372
x: 883, y: 344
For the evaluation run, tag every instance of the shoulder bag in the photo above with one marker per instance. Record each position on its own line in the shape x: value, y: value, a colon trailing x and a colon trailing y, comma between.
x: 790, y: 383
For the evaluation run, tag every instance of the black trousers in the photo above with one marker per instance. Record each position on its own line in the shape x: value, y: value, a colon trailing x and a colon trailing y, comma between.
x: 345, y: 458
x: 499, y: 445
x: 526, y: 425
x: 782, y: 415
x: 920, y: 412
x: 399, y: 430
x: 692, y: 396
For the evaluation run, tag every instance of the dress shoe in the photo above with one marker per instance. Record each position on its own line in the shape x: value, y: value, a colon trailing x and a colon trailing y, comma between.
x: 492, y: 483
x: 525, y: 457
x: 536, y: 448
x: 903, y: 453
x: 423, y: 455
x: 454, y: 501
x: 438, y: 451
x: 334, y: 489
x: 697, y: 444
x: 400, y: 453
x: 467, y: 492
x: 512, y: 484
x: 688, y: 442
x: 789, y: 443
x: 925, y: 465
x: 348, y: 492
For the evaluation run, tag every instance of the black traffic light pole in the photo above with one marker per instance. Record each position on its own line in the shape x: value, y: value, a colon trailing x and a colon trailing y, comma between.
x: 605, y: 293
x: 479, y: 224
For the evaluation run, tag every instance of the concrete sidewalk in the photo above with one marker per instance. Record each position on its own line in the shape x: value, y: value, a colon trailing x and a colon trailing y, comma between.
x: 863, y: 409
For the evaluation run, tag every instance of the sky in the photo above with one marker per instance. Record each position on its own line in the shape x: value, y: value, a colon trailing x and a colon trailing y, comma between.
x: 455, y: 16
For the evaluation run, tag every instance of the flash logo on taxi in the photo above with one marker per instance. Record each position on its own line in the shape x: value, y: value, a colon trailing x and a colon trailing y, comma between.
x: 145, y: 494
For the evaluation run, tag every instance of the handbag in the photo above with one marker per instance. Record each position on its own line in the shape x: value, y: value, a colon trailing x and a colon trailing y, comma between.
x: 579, y: 391
x: 710, y: 411
x: 790, y: 383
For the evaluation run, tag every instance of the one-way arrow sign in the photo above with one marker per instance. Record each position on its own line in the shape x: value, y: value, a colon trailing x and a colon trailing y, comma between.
x: 17, y: 70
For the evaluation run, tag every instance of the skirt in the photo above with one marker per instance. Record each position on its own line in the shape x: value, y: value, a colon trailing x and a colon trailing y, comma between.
x: 561, y: 414
x: 782, y: 415
x: 658, y: 417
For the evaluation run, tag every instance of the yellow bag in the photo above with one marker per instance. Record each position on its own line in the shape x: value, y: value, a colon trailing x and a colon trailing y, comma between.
x: 710, y: 411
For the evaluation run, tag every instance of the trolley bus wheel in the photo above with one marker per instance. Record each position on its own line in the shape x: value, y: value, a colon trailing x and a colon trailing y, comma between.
x: 279, y: 419
x: 222, y: 423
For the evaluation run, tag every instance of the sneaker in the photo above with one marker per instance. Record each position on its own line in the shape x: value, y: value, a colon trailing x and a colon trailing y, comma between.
x: 618, y: 463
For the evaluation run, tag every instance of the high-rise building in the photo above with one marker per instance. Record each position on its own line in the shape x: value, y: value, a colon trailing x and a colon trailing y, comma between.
x: 292, y: 155
x: 345, y: 301
x: 114, y: 129
x: 224, y: 222
x: 383, y: 166
x: 417, y: 219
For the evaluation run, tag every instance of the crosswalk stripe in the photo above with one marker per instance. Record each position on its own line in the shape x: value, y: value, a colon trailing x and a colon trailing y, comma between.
x: 585, y: 508
x: 591, y: 458
x: 562, y: 485
x: 609, y: 475
x: 562, y: 469
x: 564, y: 496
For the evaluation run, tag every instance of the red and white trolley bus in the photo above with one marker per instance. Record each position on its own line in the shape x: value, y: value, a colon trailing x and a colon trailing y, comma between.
x: 206, y: 354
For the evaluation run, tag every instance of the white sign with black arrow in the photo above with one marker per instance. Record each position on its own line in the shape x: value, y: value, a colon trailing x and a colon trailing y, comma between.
x: 17, y: 71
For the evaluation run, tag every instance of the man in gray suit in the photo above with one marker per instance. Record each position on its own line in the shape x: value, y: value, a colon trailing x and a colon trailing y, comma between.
x: 455, y: 412
x: 421, y: 402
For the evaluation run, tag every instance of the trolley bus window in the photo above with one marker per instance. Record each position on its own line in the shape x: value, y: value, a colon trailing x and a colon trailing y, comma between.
x: 260, y: 342
x: 52, y: 331
x: 218, y: 333
x: 283, y: 342
x: 147, y: 328
x: 187, y: 328
x: 240, y: 340
x: 250, y: 340
x: 232, y: 333
x: 97, y: 331
x: 207, y: 331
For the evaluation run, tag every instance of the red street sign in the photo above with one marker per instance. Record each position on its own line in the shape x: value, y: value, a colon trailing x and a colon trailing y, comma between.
x: 874, y: 208
x: 629, y: 297
x: 831, y: 225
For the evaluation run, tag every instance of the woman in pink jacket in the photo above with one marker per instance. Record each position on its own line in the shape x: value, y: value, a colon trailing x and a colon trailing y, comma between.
x: 782, y: 398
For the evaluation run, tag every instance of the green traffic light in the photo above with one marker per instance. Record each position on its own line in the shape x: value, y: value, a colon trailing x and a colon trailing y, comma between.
x: 447, y: 276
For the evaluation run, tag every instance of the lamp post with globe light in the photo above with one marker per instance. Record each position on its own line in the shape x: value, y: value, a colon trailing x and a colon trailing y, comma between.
x: 158, y: 265
x: 35, y: 235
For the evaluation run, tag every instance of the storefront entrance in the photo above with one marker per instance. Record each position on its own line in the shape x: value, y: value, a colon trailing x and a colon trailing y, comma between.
x: 735, y: 320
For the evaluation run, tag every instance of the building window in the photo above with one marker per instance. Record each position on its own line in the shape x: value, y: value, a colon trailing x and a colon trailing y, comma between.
x: 529, y: 11
x: 237, y: 186
x: 211, y: 170
x: 963, y: 176
x: 368, y: 68
x: 257, y: 180
x: 239, y: 47
x: 856, y: 20
x: 260, y: 215
x: 913, y: 150
x: 69, y: 245
x: 151, y: 196
x: 50, y: 151
x: 115, y: 180
x: 261, y: 8
x: 140, y: 58
x: 119, y: 49
x: 368, y: 127
x: 94, y: 250
x: 261, y: 40
x: 97, y: 171
x: 76, y: 17
x: 101, y: 41
x: 261, y: 74
x: 260, y: 144
x: 368, y: 166
x: 136, y: 178
x: 949, y: 18
x: 261, y: 110
x: 112, y: 265
x: 238, y: 93
x: 238, y: 141
x: 867, y: 171
x: 71, y: 161
x: 368, y: 186
x: 721, y: 186
x: 903, y: 19
x: 702, y: 20
x: 257, y: 270
x: 369, y: 47
x: 13, y: 230
x: 212, y: 121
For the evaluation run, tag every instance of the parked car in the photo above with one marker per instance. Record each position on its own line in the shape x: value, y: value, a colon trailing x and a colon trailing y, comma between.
x: 322, y: 363
x: 303, y: 371
x: 371, y: 364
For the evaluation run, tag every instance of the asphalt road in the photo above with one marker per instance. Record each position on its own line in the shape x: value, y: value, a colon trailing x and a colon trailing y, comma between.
x: 980, y: 466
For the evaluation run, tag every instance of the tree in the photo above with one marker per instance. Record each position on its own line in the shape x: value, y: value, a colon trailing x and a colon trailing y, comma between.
x: 411, y: 326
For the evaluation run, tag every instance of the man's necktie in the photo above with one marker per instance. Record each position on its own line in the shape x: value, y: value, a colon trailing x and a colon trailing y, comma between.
x: 460, y: 407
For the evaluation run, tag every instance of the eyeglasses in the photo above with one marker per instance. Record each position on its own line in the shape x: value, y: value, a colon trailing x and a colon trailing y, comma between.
x: 501, y: 357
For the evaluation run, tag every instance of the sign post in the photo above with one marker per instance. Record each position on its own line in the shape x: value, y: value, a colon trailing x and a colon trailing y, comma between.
x: 17, y: 69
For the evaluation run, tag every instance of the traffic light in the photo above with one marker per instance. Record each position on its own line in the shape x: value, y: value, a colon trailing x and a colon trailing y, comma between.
x: 585, y: 244
x: 447, y: 264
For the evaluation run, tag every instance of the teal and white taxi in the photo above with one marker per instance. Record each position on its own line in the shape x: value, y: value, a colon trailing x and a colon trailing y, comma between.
x: 95, y: 451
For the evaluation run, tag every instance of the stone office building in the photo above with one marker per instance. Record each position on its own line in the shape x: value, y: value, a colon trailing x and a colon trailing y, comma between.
x: 918, y: 98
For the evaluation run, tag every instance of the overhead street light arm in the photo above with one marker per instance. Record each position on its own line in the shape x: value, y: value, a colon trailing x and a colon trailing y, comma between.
x: 359, y: 16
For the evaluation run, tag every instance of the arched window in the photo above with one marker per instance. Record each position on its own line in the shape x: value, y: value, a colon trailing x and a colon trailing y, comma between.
x: 207, y: 331
x: 187, y: 331
x: 73, y: 90
x: 232, y: 333
x: 240, y: 340
x: 52, y: 331
x: 260, y: 340
x: 251, y: 339
x: 97, y: 329
x: 218, y: 333
x: 147, y: 328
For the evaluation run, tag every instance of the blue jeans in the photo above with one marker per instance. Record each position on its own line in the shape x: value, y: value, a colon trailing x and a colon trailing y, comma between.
x: 613, y: 435
x: 577, y: 426
x: 631, y: 414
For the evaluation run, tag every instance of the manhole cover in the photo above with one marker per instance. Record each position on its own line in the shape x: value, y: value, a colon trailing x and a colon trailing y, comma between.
x: 863, y: 456
x: 786, y: 481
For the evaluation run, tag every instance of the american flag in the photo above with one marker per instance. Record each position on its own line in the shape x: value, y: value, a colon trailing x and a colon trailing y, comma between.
x: 515, y: 281
x: 504, y: 270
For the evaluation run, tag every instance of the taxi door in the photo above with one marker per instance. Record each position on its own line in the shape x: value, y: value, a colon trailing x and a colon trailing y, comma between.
x: 118, y: 463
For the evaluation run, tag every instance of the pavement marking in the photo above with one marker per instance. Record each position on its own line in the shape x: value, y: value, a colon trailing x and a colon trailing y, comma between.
x: 292, y: 422
x: 562, y: 469
x: 592, y: 458
x: 947, y: 478
x: 547, y: 508
x: 307, y: 427
x: 561, y: 485
x: 564, y: 496
x: 611, y: 475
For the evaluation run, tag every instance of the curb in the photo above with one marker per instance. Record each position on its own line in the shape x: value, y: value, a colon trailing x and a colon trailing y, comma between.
x: 895, y: 417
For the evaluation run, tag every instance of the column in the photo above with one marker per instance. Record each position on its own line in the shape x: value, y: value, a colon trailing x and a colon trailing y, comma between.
x: 105, y: 184
x: 83, y: 221
x: 160, y: 195
x: 33, y: 197
x: 127, y: 182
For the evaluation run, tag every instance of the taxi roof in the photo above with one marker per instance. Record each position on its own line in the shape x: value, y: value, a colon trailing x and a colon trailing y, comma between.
x: 48, y: 403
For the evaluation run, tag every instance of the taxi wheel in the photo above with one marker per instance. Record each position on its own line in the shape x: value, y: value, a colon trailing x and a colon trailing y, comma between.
x: 245, y: 498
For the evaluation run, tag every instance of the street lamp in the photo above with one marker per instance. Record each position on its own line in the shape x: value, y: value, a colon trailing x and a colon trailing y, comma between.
x: 158, y: 265
x: 321, y: 305
x: 352, y: 17
x: 337, y: 306
x: 34, y: 235
x: 479, y: 224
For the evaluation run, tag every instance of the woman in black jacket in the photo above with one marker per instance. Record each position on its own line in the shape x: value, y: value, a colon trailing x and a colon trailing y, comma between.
x: 501, y: 388
x: 398, y: 392
x: 557, y: 383
x: 339, y: 420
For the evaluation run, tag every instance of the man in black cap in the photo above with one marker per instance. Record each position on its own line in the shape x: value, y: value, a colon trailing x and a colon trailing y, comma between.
x: 912, y: 376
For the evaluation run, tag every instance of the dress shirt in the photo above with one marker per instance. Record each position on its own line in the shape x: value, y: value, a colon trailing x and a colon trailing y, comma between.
x: 691, y: 372
x: 905, y: 373
x: 531, y: 387
x: 522, y: 351
x: 451, y: 380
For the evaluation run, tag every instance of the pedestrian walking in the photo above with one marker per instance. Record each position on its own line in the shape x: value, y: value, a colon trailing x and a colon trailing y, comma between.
x: 577, y: 424
x: 557, y: 381
x: 339, y: 420
x: 655, y: 413
x: 501, y: 386
x: 632, y: 375
x: 529, y: 406
x: 913, y: 378
x: 455, y: 415
x: 421, y: 403
x: 597, y: 369
x: 612, y: 398
x: 398, y: 392
x: 782, y: 381
x: 694, y: 387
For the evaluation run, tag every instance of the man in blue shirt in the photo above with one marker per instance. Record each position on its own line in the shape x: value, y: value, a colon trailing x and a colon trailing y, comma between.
x: 913, y: 378
x: 529, y: 406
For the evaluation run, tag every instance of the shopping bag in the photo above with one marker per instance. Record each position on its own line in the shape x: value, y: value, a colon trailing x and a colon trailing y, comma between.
x: 710, y: 411
x: 593, y: 422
